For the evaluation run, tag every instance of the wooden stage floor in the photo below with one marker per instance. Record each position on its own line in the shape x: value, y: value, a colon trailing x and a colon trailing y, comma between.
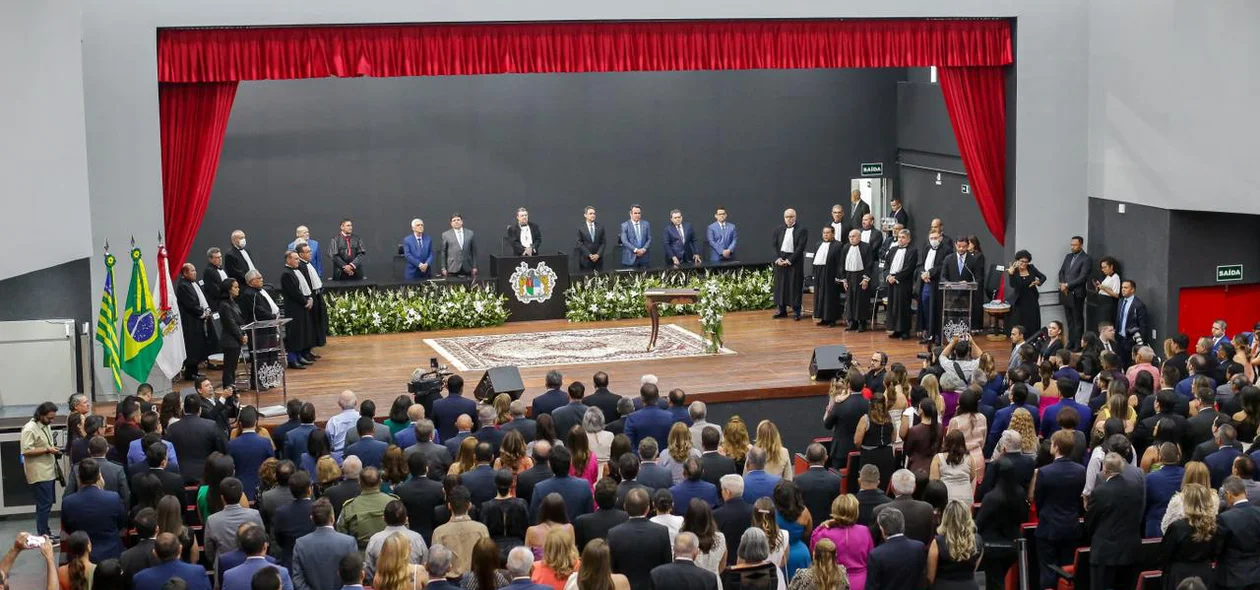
x: 772, y: 360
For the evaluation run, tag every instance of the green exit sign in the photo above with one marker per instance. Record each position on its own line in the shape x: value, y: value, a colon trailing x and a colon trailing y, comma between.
x: 1229, y: 273
x: 873, y: 169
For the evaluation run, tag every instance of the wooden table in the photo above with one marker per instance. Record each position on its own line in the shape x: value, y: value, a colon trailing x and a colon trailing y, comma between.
x: 654, y: 297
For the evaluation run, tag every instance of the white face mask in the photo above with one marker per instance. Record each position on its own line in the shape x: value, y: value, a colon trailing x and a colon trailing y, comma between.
x: 242, y: 244
x: 934, y: 243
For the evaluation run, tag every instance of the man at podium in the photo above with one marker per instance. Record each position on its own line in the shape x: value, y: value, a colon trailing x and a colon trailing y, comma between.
x: 523, y: 236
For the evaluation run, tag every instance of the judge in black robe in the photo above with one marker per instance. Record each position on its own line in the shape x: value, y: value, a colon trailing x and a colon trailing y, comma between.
x: 194, y: 316
x: 927, y: 286
x: 512, y: 240
x: 857, y: 269
x: 346, y: 250
x: 299, y: 335
x: 257, y: 304
x: 319, y: 312
x: 900, y: 284
x: 952, y: 271
x: 871, y: 234
x: 212, y: 279
x: 789, y: 265
x: 827, y: 306
x: 237, y: 259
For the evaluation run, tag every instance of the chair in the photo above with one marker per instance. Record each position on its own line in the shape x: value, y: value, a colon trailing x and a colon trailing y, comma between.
x: 849, y: 475
x: 1150, y: 580
x: 1068, y: 578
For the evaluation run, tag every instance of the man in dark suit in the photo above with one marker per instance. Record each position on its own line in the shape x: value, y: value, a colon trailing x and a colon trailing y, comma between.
x: 570, y: 415
x: 597, y: 524
x: 212, y: 280
x: 1132, y: 321
x: 692, y: 487
x: 638, y: 545
x: 155, y: 463
x: 346, y: 250
x: 625, y: 407
x: 869, y: 495
x: 683, y: 573
x: 518, y: 422
x: 312, y: 567
x: 1144, y: 432
x: 628, y: 466
x: 1057, y: 494
x: 140, y: 555
x: 522, y: 238
x: 295, y: 441
x: 436, y: 456
x: 857, y: 209
x: 293, y: 520
x: 735, y: 515
x: 249, y: 450
x: 237, y: 259
x: 480, y: 479
x: 1199, y: 427
x: 1073, y: 274
x: 369, y: 450
x: 166, y: 548
x: 459, y: 250
x: 680, y: 241
x: 603, y: 399
x: 349, y: 487
x: 919, y: 517
x: 1114, y: 523
x: 219, y: 407
x: 575, y: 491
x: 591, y: 241
x: 463, y: 430
x: 790, y: 240
x: 1221, y: 462
x: 715, y: 464
x: 194, y: 317
x: 1238, y: 537
x: 488, y: 433
x: 899, y: 562
x: 195, y: 438
x: 651, y: 474
x: 899, y: 215
x: 552, y: 398
x: 818, y: 486
x: 238, y: 572
x: 127, y: 426
x: 99, y: 513
x: 927, y: 285
x: 857, y: 273
x: 651, y: 421
x: 421, y: 496
x: 447, y: 409
x: 113, y: 476
x: 527, y: 480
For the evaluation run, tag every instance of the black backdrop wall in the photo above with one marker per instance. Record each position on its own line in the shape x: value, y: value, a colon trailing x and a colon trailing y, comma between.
x: 383, y: 151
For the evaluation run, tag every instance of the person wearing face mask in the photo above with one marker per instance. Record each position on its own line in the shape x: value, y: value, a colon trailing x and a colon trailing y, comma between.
x: 237, y: 259
x: 900, y: 262
x: 347, y: 254
x: 857, y: 260
x: 926, y: 285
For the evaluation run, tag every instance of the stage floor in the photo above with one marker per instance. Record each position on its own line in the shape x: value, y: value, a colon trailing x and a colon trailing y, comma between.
x: 772, y: 360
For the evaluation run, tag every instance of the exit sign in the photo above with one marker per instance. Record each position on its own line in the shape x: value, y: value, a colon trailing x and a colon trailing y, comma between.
x: 1229, y: 273
x: 872, y: 169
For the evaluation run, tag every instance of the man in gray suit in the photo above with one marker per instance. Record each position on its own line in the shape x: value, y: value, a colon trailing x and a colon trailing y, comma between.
x: 459, y: 251
x: 312, y: 568
x: 113, y: 474
x: 222, y: 526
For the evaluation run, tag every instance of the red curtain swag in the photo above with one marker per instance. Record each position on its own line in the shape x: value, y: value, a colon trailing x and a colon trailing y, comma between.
x: 199, y: 68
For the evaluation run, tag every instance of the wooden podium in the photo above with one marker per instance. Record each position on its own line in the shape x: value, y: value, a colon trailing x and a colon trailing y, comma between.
x: 654, y: 297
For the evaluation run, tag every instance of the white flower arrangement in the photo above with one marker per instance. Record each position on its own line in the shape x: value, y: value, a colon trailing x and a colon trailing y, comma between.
x: 410, y: 309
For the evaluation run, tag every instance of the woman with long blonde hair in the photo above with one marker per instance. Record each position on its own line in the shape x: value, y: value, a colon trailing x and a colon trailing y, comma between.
x: 824, y: 573
x: 1022, y: 422
x: 1196, y: 473
x: 394, y: 570
x: 735, y: 441
x: 678, y: 451
x: 559, y: 560
x: 502, y: 409
x: 466, y: 459
x: 932, y: 388
x: 956, y: 550
x: 1186, y: 548
x: 778, y: 458
x: 595, y: 571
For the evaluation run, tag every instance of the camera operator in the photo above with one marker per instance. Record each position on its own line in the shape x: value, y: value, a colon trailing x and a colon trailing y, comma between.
x: 41, y: 455
x: 961, y: 357
x: 875, y: 371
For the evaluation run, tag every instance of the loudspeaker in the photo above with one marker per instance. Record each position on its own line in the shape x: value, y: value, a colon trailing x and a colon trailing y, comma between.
x: 829, y: 362
x: 499, y: 380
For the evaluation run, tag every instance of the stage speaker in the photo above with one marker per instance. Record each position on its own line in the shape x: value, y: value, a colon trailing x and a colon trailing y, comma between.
x: 829, y: 362
x: 499, y: 380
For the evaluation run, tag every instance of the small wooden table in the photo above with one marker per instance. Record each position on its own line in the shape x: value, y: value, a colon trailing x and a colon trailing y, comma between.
x: 654, y: 297
x: 997, y: 321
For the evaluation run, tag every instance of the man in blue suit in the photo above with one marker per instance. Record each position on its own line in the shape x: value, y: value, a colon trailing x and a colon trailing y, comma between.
x: 757, y: 483
x: 722, y: 238
x: 98, y: 512
x: 651, y: 420
x: 167, y: 548
x: 692, y: 487
x: 575, y: 491
x: 898, y: 562
x: 447, y: 409
x: 295, y: 441
x: 651, y: 475
x: 1057, y: 491
x: 253, y: 540
x: 519, y: 563
x: 1067, y: 392
x: 636, y: 240
x: 369, y: 450
x: 304, y: 236
x: 249, y: 450
x: 312, y: 567
x: 680, y: 241
x: 1220, y: 464
x: 418, y: 250
x: 1002, y: 419
x: 552, y: 398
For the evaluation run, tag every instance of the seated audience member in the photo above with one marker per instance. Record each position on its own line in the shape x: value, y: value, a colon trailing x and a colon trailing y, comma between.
x: 461, y: 533
x: 638, y: 545
x: 395, y: 523
x: 899, y: 562
x: 166, y: 549
x: 312, y: 566
x: 596, y: 525
x: 99, y: 513
x: 253, y: 541
x: 753, y: 568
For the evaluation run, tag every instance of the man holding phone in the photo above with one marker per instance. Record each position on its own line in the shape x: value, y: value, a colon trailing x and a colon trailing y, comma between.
x: 40, y: 456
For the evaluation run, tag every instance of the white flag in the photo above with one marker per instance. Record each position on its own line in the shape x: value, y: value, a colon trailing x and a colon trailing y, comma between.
x: 170, y: 359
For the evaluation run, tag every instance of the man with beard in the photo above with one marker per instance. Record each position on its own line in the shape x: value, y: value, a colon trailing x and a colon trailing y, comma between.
x: 900, y: 262
x: 299, y: 335
x: 826, y: 280
x: 871, y: 235
x: 347, y: 254
x: 789, y: 265
x: 237, y: 259
x: 523, y: 237
x: 194, y: 314
x: 319, y: 313
x: 857, y: 262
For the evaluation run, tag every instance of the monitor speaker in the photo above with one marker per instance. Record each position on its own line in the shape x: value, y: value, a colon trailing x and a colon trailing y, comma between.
x: 829, y: 362
x: 499, y: 380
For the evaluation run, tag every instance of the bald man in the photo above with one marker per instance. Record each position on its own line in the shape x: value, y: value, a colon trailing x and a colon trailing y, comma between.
x: 237, y: 258
x: 194, y: 314
x: 789, y: 265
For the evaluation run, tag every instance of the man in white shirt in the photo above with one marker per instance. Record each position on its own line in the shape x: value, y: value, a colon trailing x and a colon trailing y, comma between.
x: 344, y: 421
x: 790, y: 240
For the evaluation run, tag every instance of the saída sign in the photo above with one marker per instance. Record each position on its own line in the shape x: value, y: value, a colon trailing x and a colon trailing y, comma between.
x: 1229, y: 273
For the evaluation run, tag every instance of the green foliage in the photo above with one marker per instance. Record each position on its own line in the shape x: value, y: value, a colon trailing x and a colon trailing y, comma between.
x: 619, y: 296
x: 424, y: 307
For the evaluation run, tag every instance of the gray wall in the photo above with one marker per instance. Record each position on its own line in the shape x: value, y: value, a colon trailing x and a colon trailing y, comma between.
x: 1140, y: 240
x: 383, y: 151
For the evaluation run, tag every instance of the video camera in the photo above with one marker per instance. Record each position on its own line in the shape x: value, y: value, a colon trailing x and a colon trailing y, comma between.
x: 426, y: 385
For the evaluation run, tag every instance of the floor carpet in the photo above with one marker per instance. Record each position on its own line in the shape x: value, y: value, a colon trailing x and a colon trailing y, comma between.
x: 568, y: 347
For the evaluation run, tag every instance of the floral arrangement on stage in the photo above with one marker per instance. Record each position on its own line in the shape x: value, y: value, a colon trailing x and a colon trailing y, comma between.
x: 620, y: 296
x: 710, y: 307
x: 377, y: 311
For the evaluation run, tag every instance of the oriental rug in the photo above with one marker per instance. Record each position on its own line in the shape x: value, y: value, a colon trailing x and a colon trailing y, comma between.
x: 569, y: 347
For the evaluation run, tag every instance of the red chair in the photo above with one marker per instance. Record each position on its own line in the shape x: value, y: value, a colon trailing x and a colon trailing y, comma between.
x: 1150, y: 580
x: 1068, y: 580
x: 848, y: 475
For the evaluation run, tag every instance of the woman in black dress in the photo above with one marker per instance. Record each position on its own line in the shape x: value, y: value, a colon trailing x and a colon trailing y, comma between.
x: 233, y: 338
x: 955, y: 552
x: 874, y: 436
x: 1023, y: 279
x: 1001, y: 515
x: 1190, y: 542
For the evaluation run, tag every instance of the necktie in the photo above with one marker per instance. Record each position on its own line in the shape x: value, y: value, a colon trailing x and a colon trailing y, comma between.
x: 637, y: 236
x: 1124, y: 315
x: 960, y: 266
x: 591, y: 228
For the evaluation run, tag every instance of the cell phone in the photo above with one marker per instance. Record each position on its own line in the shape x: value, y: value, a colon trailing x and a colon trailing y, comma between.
x: 34, y: 541
x: 433, y: 362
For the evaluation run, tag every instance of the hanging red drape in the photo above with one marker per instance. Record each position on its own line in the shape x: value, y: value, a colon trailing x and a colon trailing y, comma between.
x: 194, y: 118
x: 199, y: 68
x: 976, y: 100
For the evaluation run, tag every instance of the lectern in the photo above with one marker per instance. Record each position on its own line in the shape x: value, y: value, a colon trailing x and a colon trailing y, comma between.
x: 956, y: 308
x: 533, y: 285
x: 267, y: 357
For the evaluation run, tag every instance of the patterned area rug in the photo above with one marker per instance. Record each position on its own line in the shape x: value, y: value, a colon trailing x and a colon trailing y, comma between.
x: 568, y: 347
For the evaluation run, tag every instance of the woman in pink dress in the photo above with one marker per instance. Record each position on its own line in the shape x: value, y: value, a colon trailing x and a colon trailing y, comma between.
x: 585, y: 464
x: 853, y: 541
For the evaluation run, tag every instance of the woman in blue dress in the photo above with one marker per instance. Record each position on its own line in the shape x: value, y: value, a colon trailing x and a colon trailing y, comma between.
x: 793, y: 517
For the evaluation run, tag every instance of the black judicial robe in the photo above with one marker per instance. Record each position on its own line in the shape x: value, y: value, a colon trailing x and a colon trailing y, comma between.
x: 901, y: 293
x: 930, y: 319
x: 789, y: 281
x: 857, y: 306
x: 319, y: 311
x: 299, y: 333
x: 196, y: 332
x: 235, y: 265
x: 212, y: 286
x: 827, y: 305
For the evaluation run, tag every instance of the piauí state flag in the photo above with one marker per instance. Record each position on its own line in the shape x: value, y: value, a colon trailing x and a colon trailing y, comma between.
x: 107, y: 325
x: 171, y: 359
x: 142, y: 334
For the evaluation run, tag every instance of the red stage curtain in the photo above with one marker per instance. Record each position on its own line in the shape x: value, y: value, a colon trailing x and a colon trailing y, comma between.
x: 976, y: 100
x: 194, y: 118
x: 224, y: 55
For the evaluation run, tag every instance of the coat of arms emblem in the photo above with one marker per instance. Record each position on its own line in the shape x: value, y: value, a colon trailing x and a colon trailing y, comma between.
x: 533, y: 285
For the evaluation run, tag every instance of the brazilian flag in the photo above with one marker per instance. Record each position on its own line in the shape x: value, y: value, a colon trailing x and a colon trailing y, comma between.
x: 141, y: 337
x: 107, y: 324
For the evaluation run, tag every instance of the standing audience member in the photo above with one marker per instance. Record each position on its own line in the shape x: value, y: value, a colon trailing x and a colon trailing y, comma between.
x: 293, y: 520
x: 852, y: 543
x: 596, y: 525
x: 576, y: 492
x: 559, y: 559
x: 483, y: 571
x: 638, y: 545
x: 167, y: 550
x: 1001, y: 516
x: 715, y: 465
x: 505, y: 517
x: 253, y: 542
x: 221, y: 527
x: 869, y: 495
x: 792, y: 516
x: 1057, y: 494
x: 918, y: 518
x: 693, y: 487
x: 551, y: 515
x: 460, y: 535
x: 1238, y: 531
x: 899, y: 562
x: 845, y: 408
x: 312, y: 567
x: 753, y: 569
x: 1188, y: 547
x: 78, y: 571
x: 683, y: 572
x: 956, y: 551
x: 98, y: 512
x: 1113, y: 522
x: 824, y: 573
x: 955, y: 468
x: 875, y: 436
x: 757, y: 483
x: 712, y: 550
x: 735, y: 515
